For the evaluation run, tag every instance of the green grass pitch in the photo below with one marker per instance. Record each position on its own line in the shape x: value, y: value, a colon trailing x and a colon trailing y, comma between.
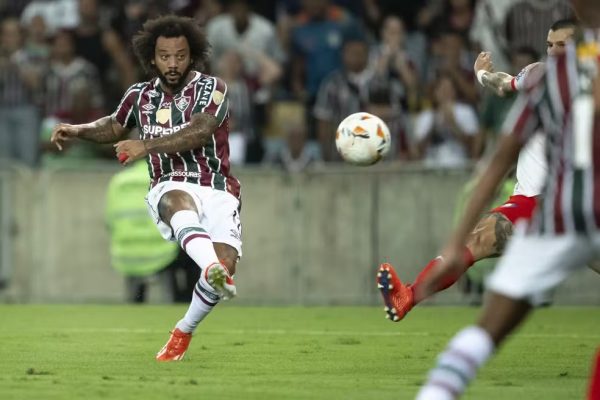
x: 107, y: 352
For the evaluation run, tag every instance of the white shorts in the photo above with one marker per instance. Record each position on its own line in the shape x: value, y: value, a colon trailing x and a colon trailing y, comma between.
x: 534, y: 264
x: 219, y: 212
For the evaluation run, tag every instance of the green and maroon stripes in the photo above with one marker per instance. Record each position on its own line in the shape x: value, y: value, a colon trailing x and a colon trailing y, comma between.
x: 207, y: 166
x: 185, y: 235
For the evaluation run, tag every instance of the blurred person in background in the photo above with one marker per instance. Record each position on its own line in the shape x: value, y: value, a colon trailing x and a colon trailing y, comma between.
x: 242, y: 125
x: 343, y: 92
x: 99, y: 44
x: 136, y: 248
x: 296, y: 155
x: 255, y: 39
x: 393, y: 64
x: 182, y: 117
x: 20, y: 80
x: 353, y: 88
x: 315, y: 45
x: 67, y: 74
x: 58, y: 14
x: 447, y: 135
x: 502, y: 25
x: 451, y: 56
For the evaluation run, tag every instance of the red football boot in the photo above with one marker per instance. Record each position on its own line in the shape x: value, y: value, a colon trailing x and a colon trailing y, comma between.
x: 397, y: 296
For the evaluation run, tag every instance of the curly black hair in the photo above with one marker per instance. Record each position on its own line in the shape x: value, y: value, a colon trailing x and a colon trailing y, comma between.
x: 144, y: 42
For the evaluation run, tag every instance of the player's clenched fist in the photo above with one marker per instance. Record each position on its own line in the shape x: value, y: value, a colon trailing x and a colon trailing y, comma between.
x: 62, y: 133
x: 484, y: 62
x: 130, y: 150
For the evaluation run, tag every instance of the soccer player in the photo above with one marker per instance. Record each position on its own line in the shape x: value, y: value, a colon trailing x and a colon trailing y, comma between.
x: 565, y: 232
x: 182, y: 118
x: 494, y: 229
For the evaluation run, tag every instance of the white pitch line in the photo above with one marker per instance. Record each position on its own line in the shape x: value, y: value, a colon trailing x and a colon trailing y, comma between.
x: 317, y: 333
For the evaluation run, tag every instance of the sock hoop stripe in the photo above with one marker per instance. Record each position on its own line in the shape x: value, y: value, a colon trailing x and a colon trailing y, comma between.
x: 191, y: 237
x: 444, y: 386
x: 466, y: 358
x: 205, y: 301
x: 446, y: 367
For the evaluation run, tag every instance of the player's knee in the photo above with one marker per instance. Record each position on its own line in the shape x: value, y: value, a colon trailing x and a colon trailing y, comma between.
x: 173, y: 201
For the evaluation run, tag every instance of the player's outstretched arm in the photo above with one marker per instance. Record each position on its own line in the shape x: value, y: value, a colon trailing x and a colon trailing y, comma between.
x: 103, y: 130
x: 499, y: 82
x: 193, y: 136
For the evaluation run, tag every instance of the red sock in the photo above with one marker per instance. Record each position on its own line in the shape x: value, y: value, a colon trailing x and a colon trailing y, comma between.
x: 594, y: 393
x: 444, y: 281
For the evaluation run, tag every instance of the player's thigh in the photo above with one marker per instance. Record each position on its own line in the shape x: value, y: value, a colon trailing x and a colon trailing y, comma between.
x: 534, y: 264
x: 221, y: 219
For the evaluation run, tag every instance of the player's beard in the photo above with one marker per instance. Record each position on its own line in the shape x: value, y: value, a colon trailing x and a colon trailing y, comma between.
x: 174, y: 86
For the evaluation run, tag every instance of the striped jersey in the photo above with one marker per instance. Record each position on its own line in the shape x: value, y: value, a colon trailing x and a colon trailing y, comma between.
x: 566, y: 106
x: 156, y: 113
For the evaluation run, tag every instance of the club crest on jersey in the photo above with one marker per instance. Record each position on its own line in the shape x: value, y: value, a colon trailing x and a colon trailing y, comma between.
x: 183, y: 103
x: 163, y: 115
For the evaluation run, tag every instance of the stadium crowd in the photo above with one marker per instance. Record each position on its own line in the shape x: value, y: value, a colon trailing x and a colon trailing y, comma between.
x: 294, y: 70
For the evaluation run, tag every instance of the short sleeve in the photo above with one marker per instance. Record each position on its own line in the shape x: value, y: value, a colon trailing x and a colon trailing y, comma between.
x: 212, y: 98
x: 124, y: 114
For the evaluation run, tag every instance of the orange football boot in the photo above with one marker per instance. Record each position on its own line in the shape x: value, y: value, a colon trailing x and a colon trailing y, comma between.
x: 176, y: 347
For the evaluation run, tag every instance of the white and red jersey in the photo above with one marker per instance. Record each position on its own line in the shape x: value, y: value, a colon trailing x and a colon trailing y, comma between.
x: 532, y: 166
x: 563, y: 105
x: 157, y: 114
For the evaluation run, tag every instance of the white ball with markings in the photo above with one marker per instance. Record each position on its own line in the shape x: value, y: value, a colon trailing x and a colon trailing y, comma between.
x: 362, y: 139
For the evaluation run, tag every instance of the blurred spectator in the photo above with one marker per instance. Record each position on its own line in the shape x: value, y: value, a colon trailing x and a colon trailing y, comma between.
x: 72, y: 94
x: 316, y: 43
x: 527, y: 21
x: 409, y: 10
x: 20, y: 79
x: 58, y: 14
x: 36, y: 40
x: 253, y: 36
x: 450, y: 56
x: 500, y: 25
x: 136, y: 248
x: 201, y: 10
x: 12, y: 8
x: 448, y: 134
x: 100, y: 45
x: 77, y: 152
x: 393, y: 64
x: 68, y: 74
x: 296, y: 155
x: 456, y: 15
x: 343, y: 92
x: 241, y: 113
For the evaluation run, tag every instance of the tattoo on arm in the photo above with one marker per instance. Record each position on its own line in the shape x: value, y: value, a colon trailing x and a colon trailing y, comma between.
x: 503, y: 229
x: 201, y: 128
x: 100, y: 131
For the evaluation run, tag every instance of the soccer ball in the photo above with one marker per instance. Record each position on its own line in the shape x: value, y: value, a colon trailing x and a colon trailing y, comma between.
x: 362, y: 139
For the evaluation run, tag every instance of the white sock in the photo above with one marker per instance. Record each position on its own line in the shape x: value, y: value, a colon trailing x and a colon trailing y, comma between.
x: 457, y: 365
x: 204, y: 299
x: 196, y: 242
x: 193, y: 239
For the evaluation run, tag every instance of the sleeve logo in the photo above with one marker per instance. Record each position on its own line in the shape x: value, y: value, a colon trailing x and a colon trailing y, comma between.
x: 217, y: 97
